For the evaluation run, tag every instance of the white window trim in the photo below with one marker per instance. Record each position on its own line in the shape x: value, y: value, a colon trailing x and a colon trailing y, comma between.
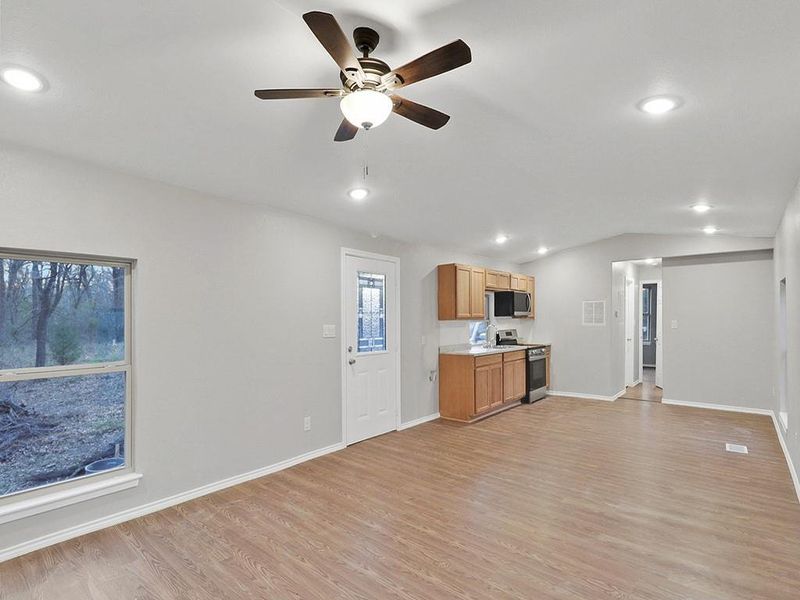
x: 27, y: 507
x: 28, y: 502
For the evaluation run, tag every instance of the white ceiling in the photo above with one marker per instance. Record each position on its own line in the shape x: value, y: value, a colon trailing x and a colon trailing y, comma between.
x: 545, y: 143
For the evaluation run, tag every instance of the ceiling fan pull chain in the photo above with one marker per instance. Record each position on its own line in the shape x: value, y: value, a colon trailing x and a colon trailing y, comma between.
x: 365, y: 169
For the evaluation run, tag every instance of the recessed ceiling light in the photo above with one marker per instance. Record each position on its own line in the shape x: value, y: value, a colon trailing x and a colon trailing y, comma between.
x: 542, y: 249
x: 701, y: 207
x: 658, y: 105
x: 710, y: 229
x: 651, y: 261
x: 501, y: 239
x: 22, y: 79
x: 358, y: 193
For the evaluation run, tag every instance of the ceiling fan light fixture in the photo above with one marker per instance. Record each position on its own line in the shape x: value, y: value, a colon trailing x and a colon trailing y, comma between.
x: 366, y: 108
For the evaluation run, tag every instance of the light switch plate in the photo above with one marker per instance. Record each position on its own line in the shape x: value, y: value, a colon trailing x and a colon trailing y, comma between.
x: 329, y: 331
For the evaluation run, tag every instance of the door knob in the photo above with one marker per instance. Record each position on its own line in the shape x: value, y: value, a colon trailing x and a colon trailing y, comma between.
x: 349, y: 348
x: 352, y: 361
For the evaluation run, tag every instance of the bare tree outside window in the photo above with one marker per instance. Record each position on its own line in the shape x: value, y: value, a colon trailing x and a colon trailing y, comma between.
x: 64, y: 370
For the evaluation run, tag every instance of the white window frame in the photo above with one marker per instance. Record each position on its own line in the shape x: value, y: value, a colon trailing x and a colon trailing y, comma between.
x: 28, y: 502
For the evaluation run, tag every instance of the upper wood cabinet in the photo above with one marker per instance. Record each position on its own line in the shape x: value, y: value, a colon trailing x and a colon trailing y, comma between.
x: 531, y: 289
x: 497, y: 280
x: 519, y: 283
x: 461, y: 290
x: 477, y: 290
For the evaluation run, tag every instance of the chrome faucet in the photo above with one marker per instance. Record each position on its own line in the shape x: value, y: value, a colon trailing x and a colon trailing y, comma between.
x: 490, y: 342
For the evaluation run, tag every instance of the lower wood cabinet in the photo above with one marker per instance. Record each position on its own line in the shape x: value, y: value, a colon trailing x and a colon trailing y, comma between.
x: 514, y: 364
x: 488, y: 387
x: 471, y: 387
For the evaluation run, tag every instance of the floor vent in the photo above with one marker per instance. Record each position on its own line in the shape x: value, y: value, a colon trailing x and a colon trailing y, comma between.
x: 736, y: 448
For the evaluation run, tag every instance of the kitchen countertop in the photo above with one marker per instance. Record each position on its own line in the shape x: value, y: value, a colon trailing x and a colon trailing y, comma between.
x: 479, y: 350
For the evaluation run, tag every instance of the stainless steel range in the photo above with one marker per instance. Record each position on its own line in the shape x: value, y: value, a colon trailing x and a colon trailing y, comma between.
x: 536, y: 375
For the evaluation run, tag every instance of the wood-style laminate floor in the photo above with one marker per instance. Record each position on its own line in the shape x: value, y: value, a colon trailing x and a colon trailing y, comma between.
x: 646, y: 390
x: 565, y: 498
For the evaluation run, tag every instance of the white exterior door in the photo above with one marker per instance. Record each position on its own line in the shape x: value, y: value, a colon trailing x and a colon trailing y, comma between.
x: 630, y: 319
x: 659, y: 336
x: 371, y: 345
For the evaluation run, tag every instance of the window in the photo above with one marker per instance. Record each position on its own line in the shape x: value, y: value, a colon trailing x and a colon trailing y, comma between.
x: 477, y: 333
x: 371, y: 312
x: 64, y: 370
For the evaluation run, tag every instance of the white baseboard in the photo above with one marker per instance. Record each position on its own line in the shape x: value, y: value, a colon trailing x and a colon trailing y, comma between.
x: 420, y: 421
x: 792, y: 470
x: 145, y: 509
x: 726, y: 407
x: 585, y: 396
x: 753, y: 411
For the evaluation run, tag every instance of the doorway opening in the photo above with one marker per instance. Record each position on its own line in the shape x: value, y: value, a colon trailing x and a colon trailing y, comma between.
x: 640, y: 295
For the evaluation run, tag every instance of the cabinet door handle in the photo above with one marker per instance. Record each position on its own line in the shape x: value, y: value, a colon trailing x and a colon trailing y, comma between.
x: 352, y: 361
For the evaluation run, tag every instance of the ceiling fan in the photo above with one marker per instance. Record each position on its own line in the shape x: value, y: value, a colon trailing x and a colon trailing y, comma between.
x: 368, y: 84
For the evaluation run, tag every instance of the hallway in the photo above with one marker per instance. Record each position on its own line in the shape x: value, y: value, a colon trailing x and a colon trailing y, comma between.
x: 646, y: 390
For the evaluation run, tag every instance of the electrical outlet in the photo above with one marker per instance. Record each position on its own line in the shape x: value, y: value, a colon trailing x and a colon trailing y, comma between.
x: 307, y: 424
x: 674, y: 324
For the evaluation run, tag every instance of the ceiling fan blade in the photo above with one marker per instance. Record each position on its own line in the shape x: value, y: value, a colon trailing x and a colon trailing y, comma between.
x: 441, y: 60
x: 330, y: 35
x: 424, y: 115
x: 347, y: 131
x: 286, y: 94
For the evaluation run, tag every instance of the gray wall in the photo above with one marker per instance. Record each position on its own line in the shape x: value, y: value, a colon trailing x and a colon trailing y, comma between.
x: 722, y: 349
x: 229, y: 302
x: 587, y: 359
x: 787, y: 265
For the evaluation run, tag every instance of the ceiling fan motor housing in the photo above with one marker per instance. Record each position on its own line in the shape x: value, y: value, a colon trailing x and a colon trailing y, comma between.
x: 374, y: 69
x: 366, y: 40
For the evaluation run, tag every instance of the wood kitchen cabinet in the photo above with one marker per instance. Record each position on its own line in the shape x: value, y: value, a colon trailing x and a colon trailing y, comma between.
x: 488, y: 383
x: 514, y: 365
x: 461, y: 290
x: 531, y: 289
x: 519, y: 283
x: 472, y: 387
x: 497, y: 280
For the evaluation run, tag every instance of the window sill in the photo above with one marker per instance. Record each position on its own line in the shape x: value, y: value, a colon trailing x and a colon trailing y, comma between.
x: 39, y: 504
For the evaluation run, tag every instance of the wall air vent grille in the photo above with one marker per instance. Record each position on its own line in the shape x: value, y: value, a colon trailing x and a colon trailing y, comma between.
x: 594, y: 312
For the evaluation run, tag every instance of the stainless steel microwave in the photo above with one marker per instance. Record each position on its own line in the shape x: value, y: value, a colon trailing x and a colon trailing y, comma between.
x: 512, y: 304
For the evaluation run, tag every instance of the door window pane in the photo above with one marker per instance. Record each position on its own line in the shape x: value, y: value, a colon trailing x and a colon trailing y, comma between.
x: 371, y: 312
x: 59, y: 428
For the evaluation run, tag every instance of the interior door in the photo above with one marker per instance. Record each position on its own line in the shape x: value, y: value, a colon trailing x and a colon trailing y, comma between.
x: 659, y: 335
x: 371, y: 346
x: 630, y: 325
